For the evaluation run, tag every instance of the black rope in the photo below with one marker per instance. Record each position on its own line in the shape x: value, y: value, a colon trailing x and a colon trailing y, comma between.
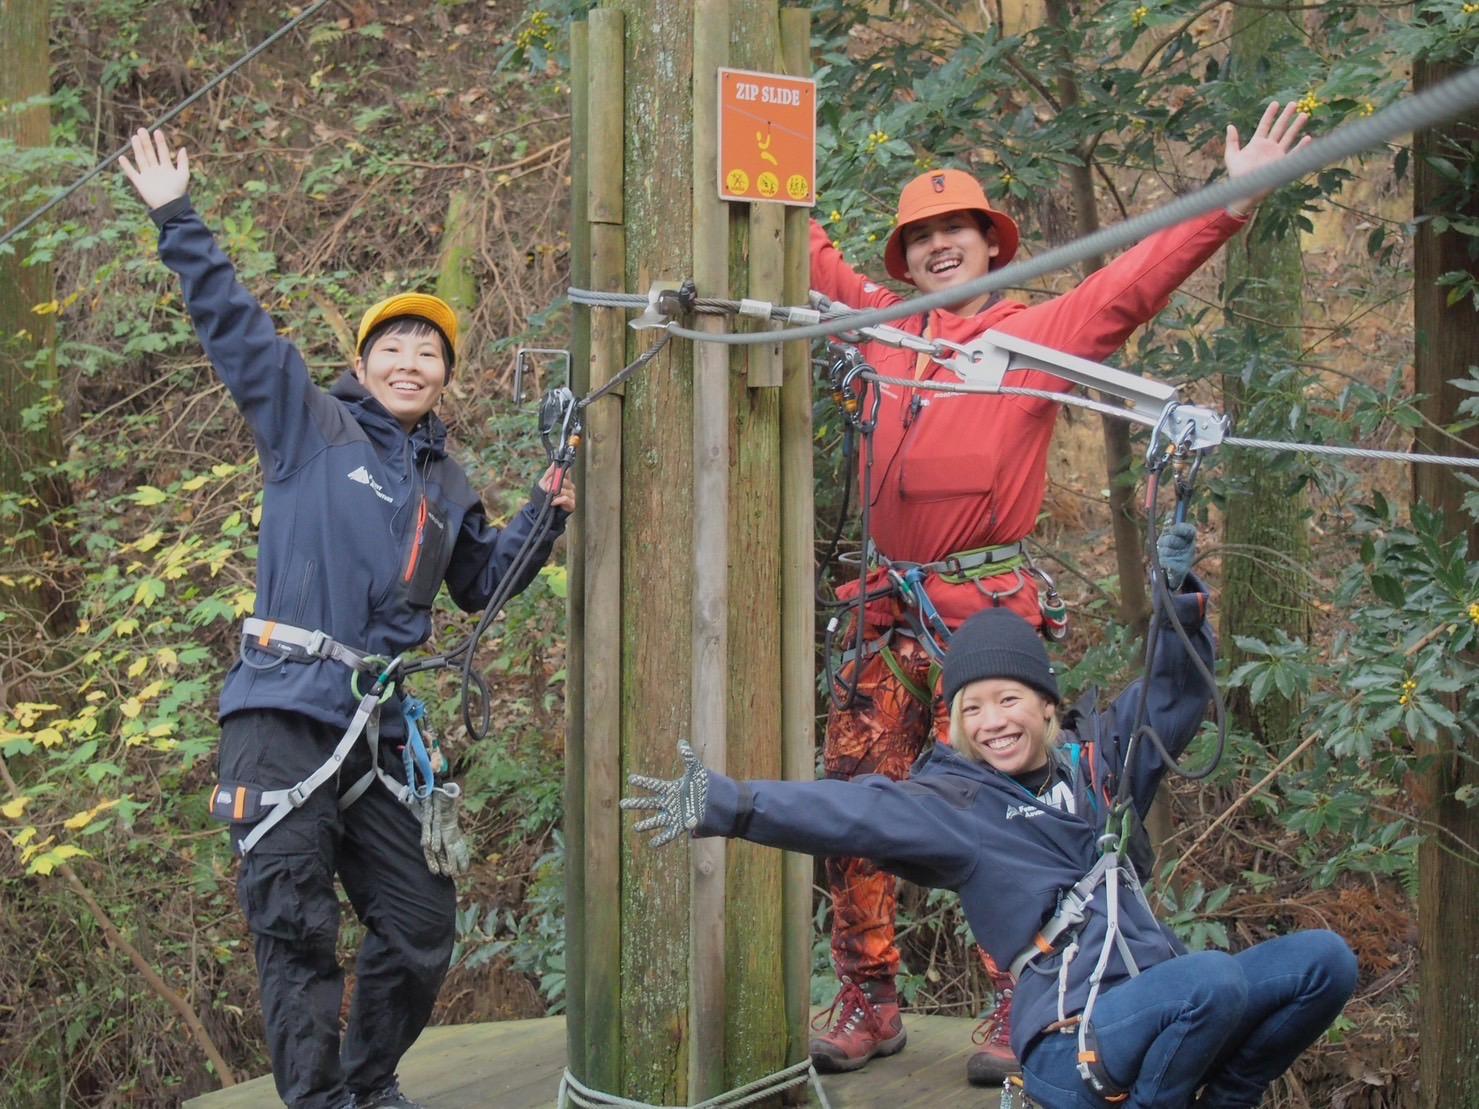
x: 1161, y: 599
x: 162, y: 120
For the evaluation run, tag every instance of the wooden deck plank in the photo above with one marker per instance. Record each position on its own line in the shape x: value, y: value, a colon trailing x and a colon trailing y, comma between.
x: 517, y: 1064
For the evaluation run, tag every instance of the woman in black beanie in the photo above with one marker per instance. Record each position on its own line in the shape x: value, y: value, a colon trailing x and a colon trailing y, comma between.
x: 1020, y: 818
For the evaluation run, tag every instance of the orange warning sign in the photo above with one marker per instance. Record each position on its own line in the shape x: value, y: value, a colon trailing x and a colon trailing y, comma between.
x: 767, y: 137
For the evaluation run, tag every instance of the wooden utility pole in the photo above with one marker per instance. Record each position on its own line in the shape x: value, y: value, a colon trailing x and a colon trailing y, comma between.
x: 687, y: 966
x: 1447, y: 345
x: 30, y: 418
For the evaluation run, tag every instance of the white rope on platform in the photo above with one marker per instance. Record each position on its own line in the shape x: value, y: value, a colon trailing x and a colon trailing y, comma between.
x: 574, y: 1092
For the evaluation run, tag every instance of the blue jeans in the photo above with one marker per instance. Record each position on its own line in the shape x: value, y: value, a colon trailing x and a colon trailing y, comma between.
x: 1229, y: 1024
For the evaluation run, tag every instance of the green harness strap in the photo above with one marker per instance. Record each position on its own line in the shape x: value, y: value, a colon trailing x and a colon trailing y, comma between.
x: 921, y: 695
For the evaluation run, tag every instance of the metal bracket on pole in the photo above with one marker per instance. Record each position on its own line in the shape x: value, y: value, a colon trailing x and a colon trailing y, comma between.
x: 664, y: 303
x: 986, y: 360
x: 523, y: 359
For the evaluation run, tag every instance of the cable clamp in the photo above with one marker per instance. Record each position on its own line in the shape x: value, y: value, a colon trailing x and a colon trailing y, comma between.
x: 759, y: 309
x: 893, y: 337
x: 803, y: 317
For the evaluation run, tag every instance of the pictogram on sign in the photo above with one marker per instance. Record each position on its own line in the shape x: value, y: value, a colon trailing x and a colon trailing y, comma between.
x: 767, y: 137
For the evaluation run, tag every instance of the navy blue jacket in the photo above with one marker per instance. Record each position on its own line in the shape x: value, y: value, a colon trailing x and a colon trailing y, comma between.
x: 361, y: 522
x: 960, y: 825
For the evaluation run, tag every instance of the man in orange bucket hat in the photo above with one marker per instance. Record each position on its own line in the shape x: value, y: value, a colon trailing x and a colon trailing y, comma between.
x: 956, y: 484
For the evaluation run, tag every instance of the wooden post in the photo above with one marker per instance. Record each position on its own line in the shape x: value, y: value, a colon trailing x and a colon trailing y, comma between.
x: 684, y: 546
x: 600, y: 1056
x: 580, y: 379
x: 30, y: 418
x: 798, y: 591
x: 710, y: 664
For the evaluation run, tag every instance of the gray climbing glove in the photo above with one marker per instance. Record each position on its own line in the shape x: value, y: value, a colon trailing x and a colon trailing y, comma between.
x: 679, y: 803
x: 1177, y: 550
x: 446, y: 851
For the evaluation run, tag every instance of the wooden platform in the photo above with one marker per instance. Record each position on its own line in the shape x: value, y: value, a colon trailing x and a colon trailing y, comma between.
x: 517, y: 1064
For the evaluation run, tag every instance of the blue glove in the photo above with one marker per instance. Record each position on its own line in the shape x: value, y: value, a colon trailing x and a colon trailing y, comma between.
x: 1177, y: 550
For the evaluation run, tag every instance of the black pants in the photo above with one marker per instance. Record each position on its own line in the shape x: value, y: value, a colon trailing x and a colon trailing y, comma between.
x: 286, y: 888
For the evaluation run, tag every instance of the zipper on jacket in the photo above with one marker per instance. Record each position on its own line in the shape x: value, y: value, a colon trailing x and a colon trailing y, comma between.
x: 417, y: 540
x: 308, y: 572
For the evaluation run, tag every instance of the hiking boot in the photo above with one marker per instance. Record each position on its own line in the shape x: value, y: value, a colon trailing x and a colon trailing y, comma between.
x: 387, y: 1097
x: 991, y: 1065
x: 863, y: 1028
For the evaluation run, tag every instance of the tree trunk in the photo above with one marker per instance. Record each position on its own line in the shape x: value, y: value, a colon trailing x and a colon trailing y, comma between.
x: 1267, y: 511
x: 30, y: 418
x: 1124, y: 517
x: 456, y: 282
x: 1447, y: 345
x: 1129, y: 549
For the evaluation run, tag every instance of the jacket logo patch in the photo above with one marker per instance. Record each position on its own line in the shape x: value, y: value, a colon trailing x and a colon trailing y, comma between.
x: 362, y: 476
x: 1024, y: 810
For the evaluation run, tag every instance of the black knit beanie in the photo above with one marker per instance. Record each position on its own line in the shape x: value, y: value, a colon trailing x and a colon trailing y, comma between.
x: 997, y: 643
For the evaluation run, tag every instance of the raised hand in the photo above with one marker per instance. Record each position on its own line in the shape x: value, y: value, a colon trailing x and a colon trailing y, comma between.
x: 1275, y: 137
x: 679, y: 802
x: 156, y: 179
x: 1177, y: 550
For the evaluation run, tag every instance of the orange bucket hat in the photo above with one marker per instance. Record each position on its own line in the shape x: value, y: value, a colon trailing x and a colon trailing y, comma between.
x: 935, y: 193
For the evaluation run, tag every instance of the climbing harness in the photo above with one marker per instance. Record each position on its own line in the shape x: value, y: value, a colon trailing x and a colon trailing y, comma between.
x: 239, y: 802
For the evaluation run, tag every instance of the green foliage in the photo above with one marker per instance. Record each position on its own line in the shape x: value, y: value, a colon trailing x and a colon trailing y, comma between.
x: 531, y: 939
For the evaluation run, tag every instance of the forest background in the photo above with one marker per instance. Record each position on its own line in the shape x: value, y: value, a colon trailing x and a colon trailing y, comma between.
x: 387, y: 145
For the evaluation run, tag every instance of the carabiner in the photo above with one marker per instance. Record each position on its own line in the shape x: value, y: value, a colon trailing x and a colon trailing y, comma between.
x: 1157, y: 433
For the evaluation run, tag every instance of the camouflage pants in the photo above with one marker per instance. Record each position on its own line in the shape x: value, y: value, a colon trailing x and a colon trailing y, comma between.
x: 884, y: 731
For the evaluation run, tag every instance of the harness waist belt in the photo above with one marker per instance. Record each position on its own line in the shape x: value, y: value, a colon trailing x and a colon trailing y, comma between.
x: 301, y: 645
x: 959, y: 563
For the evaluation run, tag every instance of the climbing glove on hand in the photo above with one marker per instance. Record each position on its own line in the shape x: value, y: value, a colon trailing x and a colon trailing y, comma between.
x: 679, y: 802
x: 446, y: 851
x: 1177, y: 550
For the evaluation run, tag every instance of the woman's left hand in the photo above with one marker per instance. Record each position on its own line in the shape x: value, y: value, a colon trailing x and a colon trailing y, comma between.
x: 564, y: 496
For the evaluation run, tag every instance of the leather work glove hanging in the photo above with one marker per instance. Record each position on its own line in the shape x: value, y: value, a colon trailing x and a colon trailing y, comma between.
x: 446, y: 851
x: 679, y: 802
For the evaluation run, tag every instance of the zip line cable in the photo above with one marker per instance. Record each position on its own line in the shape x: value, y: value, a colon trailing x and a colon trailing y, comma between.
x: 1462, y: 461
x: 1428, y: 108
x: 286, y: 28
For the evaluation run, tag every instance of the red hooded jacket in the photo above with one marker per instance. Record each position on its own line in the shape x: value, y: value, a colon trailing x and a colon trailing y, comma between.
x: 953, y: 472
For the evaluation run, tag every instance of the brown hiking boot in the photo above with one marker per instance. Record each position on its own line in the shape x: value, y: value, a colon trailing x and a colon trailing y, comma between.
x: 863, y: 1028
x: 994, y: 1061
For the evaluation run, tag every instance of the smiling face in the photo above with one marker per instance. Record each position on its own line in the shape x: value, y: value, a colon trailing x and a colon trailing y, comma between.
x: 1004, y: 724
x: 404, y: 367
x: 944, y: 251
